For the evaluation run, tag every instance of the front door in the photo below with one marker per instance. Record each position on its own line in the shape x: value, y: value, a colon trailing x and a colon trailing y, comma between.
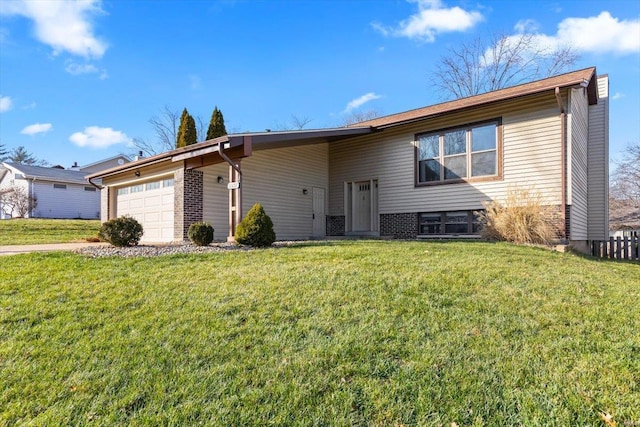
x: 362, y: 206
x: 319, y: 218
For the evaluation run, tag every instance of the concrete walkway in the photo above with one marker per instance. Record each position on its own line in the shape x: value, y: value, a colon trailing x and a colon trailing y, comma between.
x: 52, y: 247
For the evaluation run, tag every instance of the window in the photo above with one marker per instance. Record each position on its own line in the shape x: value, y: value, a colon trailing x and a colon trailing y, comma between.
x: 152, y: 185
x: 60, y: 186
x: 457, y: 222
x: 167, y: 182
x: 457, y: 154
x: 123, y: 191
x: 89, y: 188
x: 137, y: 188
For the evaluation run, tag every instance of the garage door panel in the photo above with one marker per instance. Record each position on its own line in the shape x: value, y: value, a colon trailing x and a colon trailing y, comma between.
x: 153, y: 209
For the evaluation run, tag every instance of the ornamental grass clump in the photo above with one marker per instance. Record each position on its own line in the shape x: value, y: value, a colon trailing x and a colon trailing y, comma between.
x: 523, y: 218
x: 200, y: 233
x: 123, y: 231
x: 256, y: 228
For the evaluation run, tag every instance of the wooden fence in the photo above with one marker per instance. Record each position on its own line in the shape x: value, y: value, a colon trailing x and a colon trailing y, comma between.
x: 617, y: 248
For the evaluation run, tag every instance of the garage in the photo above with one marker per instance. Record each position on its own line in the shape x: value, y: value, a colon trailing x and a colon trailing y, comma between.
x: 151, y: 204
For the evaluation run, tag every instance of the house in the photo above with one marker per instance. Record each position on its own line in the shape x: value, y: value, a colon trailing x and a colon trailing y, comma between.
x: 59, y: 192
x: 419, y: 173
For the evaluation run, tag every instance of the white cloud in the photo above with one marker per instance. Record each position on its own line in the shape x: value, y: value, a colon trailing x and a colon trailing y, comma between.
x: 358, y: 102
x: 526, y: 26
x: 65, y: 25
x: 602, y: 33
x: 5, y: 103
x: 432, y: 18
x: 618, y: 95
x: 99, y: 137
x: 77, y: 69
x: 36, y: 128
x: 30, y: 106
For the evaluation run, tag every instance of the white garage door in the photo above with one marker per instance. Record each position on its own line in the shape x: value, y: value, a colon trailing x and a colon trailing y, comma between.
x: 151, y: 203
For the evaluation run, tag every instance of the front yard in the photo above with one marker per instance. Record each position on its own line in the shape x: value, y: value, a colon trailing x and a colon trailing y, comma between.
x: 37, y: 231
x: 328, y: 333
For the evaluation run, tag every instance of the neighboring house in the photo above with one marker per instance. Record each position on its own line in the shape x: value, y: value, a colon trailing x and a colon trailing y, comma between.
x: 624, y: 219
x: 59, y: 193
x: 420, y: 173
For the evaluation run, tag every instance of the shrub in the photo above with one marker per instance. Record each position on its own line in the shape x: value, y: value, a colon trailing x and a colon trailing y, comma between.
x: 200, y: 233
x: 123, y: 231
x: 523, y: 218
x: 256, y: 228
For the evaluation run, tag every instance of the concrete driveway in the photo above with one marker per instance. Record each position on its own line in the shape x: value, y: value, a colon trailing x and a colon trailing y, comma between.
x: 52, y: 247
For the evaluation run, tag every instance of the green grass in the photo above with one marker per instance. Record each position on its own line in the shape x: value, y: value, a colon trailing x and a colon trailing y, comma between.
x: 333, y: 333
x: 35, y: 231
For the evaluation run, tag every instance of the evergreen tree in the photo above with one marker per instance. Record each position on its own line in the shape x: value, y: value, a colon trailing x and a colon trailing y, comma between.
x: 216, y: 125
x: 187, y: 134
x: 22, y: 156
x: 3, y: 153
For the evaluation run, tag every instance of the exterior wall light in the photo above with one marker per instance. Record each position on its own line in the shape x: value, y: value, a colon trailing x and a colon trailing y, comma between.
x: 220, y: 180
x: 137, y: 173
x: 304, y: 191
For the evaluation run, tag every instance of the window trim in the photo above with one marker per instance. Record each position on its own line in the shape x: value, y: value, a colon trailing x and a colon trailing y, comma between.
x: 467, y: 127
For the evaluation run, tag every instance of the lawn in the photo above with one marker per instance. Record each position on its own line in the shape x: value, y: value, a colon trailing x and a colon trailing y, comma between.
x: 331, y: 333
x: 35, y: 231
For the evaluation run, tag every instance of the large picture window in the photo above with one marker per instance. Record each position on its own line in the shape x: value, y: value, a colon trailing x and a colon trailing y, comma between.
x: 450, y: 223
x: 458, y: 154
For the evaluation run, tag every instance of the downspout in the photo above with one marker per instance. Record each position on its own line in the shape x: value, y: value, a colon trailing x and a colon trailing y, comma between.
x: 563, y: 161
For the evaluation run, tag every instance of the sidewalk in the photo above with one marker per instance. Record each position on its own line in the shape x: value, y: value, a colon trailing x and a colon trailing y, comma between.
x: 52, y: 247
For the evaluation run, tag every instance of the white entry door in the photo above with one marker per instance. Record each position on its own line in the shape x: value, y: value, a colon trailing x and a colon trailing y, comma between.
x: 319, y: 218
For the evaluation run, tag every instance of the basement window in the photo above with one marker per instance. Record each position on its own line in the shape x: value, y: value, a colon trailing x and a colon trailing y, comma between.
x: 90, y: 189
x: 450, y: 223
x: 60, y: 186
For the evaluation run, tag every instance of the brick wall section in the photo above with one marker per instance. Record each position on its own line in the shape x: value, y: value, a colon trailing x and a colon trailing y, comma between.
x: 187, y: 201
x: 335, y: 225
x: 104, y: 204
x: 399, y: 226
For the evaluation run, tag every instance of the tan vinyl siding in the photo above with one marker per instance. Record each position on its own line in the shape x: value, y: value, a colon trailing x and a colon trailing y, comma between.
x: 276, y: 178
x: 531, y: 158
x: 598, y: 163
x: 578, y: 135
x: 215, y: 200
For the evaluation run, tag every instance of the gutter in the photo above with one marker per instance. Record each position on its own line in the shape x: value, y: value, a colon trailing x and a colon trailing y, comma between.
x: 563, y: 160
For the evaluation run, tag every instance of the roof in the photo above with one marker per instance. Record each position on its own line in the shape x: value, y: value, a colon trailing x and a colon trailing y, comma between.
x: 48, y: 174
x: 573, y: 78
x: 256, y: 139
x: 119, y: 156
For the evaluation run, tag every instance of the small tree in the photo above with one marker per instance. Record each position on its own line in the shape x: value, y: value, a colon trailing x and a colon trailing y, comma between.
x: 256, y: 229
x: 216, y: 125
x: 187, y: 134
x: 17, y: 202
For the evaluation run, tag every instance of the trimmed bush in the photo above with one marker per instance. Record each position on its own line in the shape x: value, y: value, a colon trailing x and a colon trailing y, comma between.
x: 522, y: 218
x: 256, y: 228
x: 200, y: 233
x: 123, y: 231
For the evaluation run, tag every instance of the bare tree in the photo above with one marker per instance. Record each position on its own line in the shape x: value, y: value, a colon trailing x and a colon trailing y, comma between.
x: 477, y: 66
x: 165, y: 126
x: 624, y: 189
x: 625, y: 181
x: 294, y: 123
x: 17, y: 202
x: 359, y: 116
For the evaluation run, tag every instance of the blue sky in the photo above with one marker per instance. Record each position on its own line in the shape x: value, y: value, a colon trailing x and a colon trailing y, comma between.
x: 80, y: 79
